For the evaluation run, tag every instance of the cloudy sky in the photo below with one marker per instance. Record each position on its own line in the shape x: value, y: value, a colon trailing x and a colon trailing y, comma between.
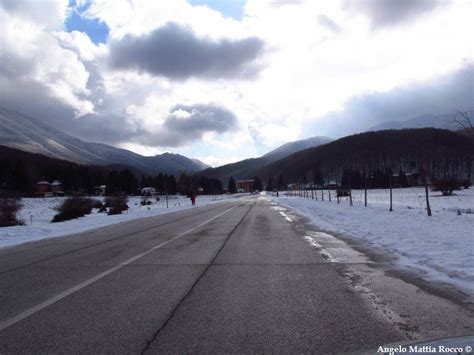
x: 225, y: 80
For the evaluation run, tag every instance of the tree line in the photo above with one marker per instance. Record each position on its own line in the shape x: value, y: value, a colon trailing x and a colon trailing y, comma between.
x: 21, y: 171
x: 378, y: 159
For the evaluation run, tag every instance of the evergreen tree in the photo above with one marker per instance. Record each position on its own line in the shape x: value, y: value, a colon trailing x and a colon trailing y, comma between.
x: 257, y: 184
x: 232, y: 186
x: 270, y: 184
x: 281, y: 183
x: 170, y: 184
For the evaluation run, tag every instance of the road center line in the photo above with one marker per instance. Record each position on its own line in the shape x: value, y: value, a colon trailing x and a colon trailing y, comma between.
x: 25, y: 314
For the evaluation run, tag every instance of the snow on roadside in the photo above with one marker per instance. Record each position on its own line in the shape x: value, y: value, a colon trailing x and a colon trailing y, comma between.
x: 439, y: 248
x: 37, y: 214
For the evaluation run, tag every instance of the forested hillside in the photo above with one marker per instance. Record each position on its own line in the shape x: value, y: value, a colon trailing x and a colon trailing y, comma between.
x: 377, y: 155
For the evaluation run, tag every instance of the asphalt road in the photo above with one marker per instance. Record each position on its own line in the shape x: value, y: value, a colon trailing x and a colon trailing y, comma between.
x: 231, y: 277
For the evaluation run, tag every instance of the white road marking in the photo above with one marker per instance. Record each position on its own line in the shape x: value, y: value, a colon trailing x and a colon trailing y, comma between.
x: 285, y: 216
x: 25, y: 314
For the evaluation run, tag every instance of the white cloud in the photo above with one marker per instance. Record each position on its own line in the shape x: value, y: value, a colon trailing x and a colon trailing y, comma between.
x: 46, y: 14
x: 319, y: 56
x: 81, y: 44
x: 32, y: 54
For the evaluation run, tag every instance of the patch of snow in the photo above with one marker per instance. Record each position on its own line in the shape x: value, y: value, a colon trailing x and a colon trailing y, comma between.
x: 439, y: 248
x: 37, y: 214
x: 285, y: 216
x: 320, y: 248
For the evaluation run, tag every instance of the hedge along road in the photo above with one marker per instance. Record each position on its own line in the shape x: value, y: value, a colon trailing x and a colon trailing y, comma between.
x: 232, y: 277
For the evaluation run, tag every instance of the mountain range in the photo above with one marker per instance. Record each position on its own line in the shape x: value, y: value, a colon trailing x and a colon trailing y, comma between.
x: 28, y: 134
x: 405, y: 149
x: 445, y: 121
x: 293, y: 147
x: 25, y: 133
x: 244, y: 168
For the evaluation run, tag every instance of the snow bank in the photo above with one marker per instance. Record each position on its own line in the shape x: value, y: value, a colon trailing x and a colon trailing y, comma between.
x: 440, y: 248
x: 37, y: 213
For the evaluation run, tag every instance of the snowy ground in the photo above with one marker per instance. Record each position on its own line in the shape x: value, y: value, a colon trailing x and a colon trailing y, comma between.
x: 440, y: 248
x: 37, y: 214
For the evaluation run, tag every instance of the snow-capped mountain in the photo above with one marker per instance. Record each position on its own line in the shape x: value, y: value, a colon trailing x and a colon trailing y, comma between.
x: 28, y: 134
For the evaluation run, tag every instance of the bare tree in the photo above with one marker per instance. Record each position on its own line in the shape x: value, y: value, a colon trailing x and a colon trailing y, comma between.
x: 465, y: 121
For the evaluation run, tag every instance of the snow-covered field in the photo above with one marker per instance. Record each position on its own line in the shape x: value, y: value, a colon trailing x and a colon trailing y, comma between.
x: 37, y: 214
x: 439, y: 248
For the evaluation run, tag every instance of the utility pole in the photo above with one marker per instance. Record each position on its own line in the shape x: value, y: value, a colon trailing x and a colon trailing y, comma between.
x: 390, y: 184
x: 365, y: 190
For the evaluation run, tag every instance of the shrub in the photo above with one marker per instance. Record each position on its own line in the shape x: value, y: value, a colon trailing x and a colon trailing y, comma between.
x: 145, y: 201
x: 116, y: 204
x: 9, y: 208
x: 74, y: 207
x: 447, y: 186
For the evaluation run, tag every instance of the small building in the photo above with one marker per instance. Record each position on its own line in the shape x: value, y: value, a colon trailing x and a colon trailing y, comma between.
x: 245, y: 185
x: 43, y: 188
x: 148, y: 191
x: 46, y: 189
x: 57, y: 188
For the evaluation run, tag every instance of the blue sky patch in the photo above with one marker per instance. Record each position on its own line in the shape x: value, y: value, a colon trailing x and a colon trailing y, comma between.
x: 228, y: 8
x: 96, y: 30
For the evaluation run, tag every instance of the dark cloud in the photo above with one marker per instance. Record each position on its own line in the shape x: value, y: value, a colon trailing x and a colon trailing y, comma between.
x: 440, y: 96
x: 328, y: 23
x: 22, y: 93
x: 202, y: 118
x: 176, y: 52
x: 385, y: 13
x: 110, y: 123
x: 33, y: 99
x: 109, y: 128
x: 187, y: 124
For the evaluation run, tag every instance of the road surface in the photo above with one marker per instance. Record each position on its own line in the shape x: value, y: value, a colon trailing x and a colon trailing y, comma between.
x: 230, y: 277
